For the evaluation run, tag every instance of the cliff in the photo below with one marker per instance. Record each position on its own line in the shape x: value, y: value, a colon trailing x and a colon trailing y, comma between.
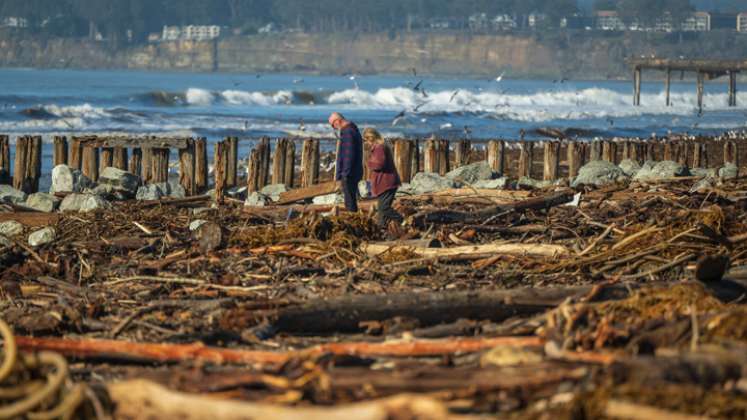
x: 552, y: 56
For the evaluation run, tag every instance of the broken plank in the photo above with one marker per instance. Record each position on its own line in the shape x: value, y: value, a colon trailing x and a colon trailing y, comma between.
x: 309, y: 192
x: 540, y: 250
x: 31, y: 219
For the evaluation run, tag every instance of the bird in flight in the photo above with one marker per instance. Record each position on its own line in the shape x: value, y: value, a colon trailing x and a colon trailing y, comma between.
x: 500, y: 78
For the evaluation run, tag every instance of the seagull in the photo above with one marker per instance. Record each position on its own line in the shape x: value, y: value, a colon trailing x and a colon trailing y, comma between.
x: 422, y: 91
x: 397, y: 119
x: 355, y: 85
x: 500, y: 78
x: 246, y: 125
x: 302, y: 126
x: 236, y: 84
x: 453, y: 95
x: 258, y: 75
x: 467, y: 131
x: 414, y: 72
x: 297, y: 81
x: 447, y: 126
x: 417, y: 108
x: 417, y: 86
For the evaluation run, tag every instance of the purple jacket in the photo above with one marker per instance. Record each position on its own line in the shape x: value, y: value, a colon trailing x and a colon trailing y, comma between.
x: 383, y: 175
x: 350, y: 157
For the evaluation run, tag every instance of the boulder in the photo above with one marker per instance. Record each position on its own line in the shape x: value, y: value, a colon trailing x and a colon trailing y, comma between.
x: 196, y: 224
x: 273, y: 191
x: 43, y: 202
x: 11, y: 195
x: 42, y: 237
x: 11, y: 228
x: 661, y: 170
x: 329, y: 199
x: 405, y: 190
x: 530, y: 183
x: 424, y: 183
x: 66, y: 179
x: 150, y: 192
x: 629, y: 167
x: 83, y: 203
x: 598, y: 173
x: 469, y: 174
x: 704, y: 172
x: 492, y: 184
x: 729, y: 171
x: 256, y: 199
x: 175, y: 190
x: 120, y: 180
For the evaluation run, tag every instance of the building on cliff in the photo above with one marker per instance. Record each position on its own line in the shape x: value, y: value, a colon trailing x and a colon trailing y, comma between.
x: 742, y: 22
x: 190, y: 32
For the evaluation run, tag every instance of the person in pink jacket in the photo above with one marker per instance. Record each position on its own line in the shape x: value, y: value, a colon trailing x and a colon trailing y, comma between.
x: 383, y: 177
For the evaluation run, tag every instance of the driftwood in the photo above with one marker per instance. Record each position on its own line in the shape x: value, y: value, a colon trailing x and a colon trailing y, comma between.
x: 31, y: 219
x: 301, y: 194
x: 541, y: 250
x: 448, y: 216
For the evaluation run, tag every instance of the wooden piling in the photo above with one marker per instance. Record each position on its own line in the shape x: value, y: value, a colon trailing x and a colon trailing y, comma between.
x: 264, y: 153
x: 252, y: 172
x: 462, y: 153
x: 731, y: 153
x: 219, y: 171
x: 76, y: 154
x: 596, y: 151
x: 278, y: 161
x: 669, y: 151
x: 90, y: 162
x: 135, y: 165
x: 34, y: 166
x: 637, y: 86
x: 159, y: 160
x: 495, y: 154
x: 5, y: 175
x: 414, y: 158
x: 232, y: 161
x: 309, y: 163
x: 201, y: 165
x: 526, y: 157
x: 120, y: 158
x: 609, y: 151
x: 106, y: 158
x: 431, y: 156
x: 650, y: 151
x: 683, y: 153
x: 187, y: 168
x: 575, y: 158
x: 443, y: 157
x: 145, y: 164
x: 59, y: 156
x: 290, y: 164
x: 700, y: 156
x: 403, y: 158
x: 551, y: 161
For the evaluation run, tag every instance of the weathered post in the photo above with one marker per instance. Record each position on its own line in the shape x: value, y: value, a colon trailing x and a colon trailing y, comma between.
x: 159, y: 165
x: 414, y: 158
x: 731, y: 153
x: 526, y: 157
x: 135, y: 165
x: 145, y: 163
x: 278, y: 161
x: 76, y: 154
x: 309, y: 163
x: 443, y: 157
x: 106, y: 159
x: 609, y: 151
x: 700, y: 156
x: 27, y: 168
x: 403, y: 159
x: 462, y: 153
x: 552, y: 160
x: 290, y: 164
x: 252, y: 172
x: 187, y: 168
x: 575, y: 158
x: 201, y: 165
x: 90, y: 162
x: 232, y: 161
x: 220, y: 171
x: 19, y: 166
x: 683, y: 152
x: 35, y: 163
x: 60, y: 151
x: 650, y: 153
x: 5, y: 176
x: 120, y: 158
x: 496, y: 155
x: 596, y: 150
x: 431, y: 156
x: 265, y: 153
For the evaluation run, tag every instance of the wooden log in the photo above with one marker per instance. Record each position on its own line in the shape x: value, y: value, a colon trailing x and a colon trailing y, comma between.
x: 551, y: 161
x: 159, y: 165
x: 90, y: 162
x: 403, y: 158
x: 219, y: 172
x: 700, y: 156
x: 526, y: 159
x: 187, y: 169
x: 301, y: 194
x: 731, y: 153
x: 534, y: 250
x: 19, y: 166
x: 462, y: 153
x: 31, y: 219
x: 596, y: 151
x: 414, y: 158
x: 252, y: 172
x: 201, y: 165
x: 609, y: 151
x: 496, y: 156
x: 290, y: 164
x: 59, y: 156
x: 575, y: 158
x: 76, y: 154
x: 447, y: 216
x: 309, y: 163
x: 232, y: 161
x: 34, y: 166
x: 444, y: 157
x: 106, y: 158
x: 120, y: 158
x: 265, y: 153
x: 145, y: 163
x: 431, y: 157
x: 135, y: 165
x: 278, y: 161
x: 5, y: 174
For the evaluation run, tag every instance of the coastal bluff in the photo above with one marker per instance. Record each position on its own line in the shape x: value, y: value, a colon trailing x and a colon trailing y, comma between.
x: 559, y: 55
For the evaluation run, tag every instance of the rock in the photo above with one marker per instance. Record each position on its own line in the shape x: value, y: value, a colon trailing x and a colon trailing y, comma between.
x: 196, y: 224
x: 66, y: 179
x: 175, y: 190
x: 329, y: 199
x: 629, y: 167
x: 598, y: 173
x: 43, y: 202
x: 209, y: 236
x: 469, y: 174
x: 661, y: 170
x: 83, y: 203
x: 364, y: 189
x: 120, y: 180
x: 274, y: 191
x: 492, y: 184
x: 704, y: 172
x: 42, y: 237
x: 729, y: 171
x: 424, y: 183
x: 11, y: 195
x: 239, y: 193
x: 256, y: 199
x: 11, y: 228
x: 530, y: 183
x: 150, y: 192
x: 405, y: 190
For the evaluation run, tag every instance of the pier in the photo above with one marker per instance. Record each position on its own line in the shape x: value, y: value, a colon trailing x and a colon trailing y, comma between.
x: 705, y: 70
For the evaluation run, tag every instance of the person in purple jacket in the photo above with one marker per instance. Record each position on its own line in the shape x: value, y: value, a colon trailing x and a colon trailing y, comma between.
x: 349, y: 159
x: 384, y: 179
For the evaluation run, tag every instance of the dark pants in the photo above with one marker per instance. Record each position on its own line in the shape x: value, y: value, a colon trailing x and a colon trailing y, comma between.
x: 349, y: 188
x: 386, y: 212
